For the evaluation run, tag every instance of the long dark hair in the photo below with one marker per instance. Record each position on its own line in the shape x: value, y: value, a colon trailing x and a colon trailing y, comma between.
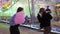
x: 19, y: 9
x: 42, y: 10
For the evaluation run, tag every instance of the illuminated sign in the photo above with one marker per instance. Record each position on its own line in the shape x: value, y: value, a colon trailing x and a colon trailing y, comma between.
x: 6, y: 4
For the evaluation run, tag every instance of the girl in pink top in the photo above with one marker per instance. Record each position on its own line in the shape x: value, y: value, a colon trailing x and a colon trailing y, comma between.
x: 18, y: 19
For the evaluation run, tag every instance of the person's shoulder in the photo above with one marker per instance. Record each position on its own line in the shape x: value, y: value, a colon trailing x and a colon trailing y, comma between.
x: 47, y: 9
x: 46, y: 14
x: 38, y: 14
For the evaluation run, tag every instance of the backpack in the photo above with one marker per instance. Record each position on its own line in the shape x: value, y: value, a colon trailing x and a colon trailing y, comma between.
x: 12, y: 22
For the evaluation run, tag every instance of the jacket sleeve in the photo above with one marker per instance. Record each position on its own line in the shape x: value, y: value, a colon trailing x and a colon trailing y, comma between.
x: 47, y: 17
x: 50, y: 17
x: 12, y: 20
x: 39, y: 18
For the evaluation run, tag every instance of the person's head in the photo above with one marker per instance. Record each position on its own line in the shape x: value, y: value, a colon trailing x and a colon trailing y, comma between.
x: 42, y: 10
x: 19, y: 9
x: 47, y: 7
x: 26, y: 16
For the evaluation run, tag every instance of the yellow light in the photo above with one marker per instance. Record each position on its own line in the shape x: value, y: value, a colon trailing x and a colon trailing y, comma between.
x: 57, y: 5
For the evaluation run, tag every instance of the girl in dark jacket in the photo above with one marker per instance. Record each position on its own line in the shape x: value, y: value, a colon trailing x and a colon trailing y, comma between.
x: 44, y: 19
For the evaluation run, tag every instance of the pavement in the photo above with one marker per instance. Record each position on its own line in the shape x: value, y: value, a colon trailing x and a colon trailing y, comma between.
x: 4, y: 29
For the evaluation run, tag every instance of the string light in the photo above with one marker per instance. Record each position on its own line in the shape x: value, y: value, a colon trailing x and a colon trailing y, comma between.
x: 43, y: 0
x: 51, y: 0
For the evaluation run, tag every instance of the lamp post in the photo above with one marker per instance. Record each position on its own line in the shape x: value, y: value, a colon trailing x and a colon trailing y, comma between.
x: 33, y: 16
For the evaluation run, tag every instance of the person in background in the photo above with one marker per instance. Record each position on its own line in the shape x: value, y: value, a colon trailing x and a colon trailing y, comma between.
x: 48, y: 10
x: 15, y: 20
x: 26, y: 20
x: 44, y: 19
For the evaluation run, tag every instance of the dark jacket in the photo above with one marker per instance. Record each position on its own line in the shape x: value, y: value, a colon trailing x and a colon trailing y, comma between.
x: 44, y: 20
x: 48, y: 10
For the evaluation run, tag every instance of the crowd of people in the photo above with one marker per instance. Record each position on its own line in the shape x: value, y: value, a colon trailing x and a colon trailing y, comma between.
x: 44, y: 17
